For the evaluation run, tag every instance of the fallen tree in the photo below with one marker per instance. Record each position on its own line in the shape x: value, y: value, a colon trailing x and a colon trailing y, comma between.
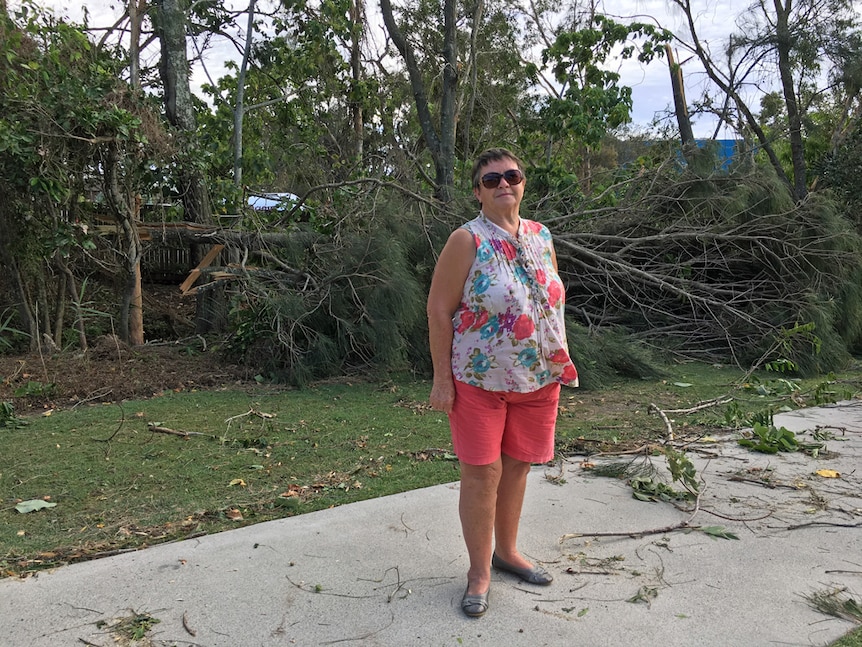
x: 717, y: 268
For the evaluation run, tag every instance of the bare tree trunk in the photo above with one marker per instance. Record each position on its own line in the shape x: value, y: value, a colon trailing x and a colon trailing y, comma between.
x: 136, y: 305
x: 60, y: 308
x: 72, y: 289
x: 135, y: 10
x: 680, y: 106
x: 473, y: 71
x: 29, y: 320
x: 783, y: 39
x: 170, y: 22
x: 446, y: 167
x: 43, y: 313
x: 441, y: 144
x: 357, y: 18
x: 10, y: 266
x: 239, y: 108
x: 124, y: 213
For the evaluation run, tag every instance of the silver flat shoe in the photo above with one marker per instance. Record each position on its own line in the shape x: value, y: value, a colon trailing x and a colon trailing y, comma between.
x: 534, y: 575
x: 475, y: 606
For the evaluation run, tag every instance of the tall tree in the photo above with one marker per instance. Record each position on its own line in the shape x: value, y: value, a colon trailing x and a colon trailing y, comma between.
x: 357, y: 31
x: 170, y: 20
x: 440, y: 136
x: 239, y: 107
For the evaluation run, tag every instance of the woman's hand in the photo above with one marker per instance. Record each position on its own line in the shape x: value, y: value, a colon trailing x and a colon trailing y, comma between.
x: 442, y: 396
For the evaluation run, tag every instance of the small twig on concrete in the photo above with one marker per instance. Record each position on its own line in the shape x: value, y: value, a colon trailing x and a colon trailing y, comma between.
x: 188, y: 629
x: 317, y: 590
x: 742, y: 479
x: 404, y: 524
x: 739, y: 519
x: 646, y: 450
x: 831, y: 524
x: 363, y: 637
x: 637, y: 534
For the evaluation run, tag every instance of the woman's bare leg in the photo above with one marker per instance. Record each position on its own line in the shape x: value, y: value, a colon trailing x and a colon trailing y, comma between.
x: 477, y: 507
x: 510, y: 500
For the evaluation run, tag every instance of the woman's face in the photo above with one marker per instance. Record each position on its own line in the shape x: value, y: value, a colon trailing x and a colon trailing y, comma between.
x: 504, y: 196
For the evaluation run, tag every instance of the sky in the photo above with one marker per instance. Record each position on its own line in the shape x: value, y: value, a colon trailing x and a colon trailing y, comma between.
x: 651, y: 90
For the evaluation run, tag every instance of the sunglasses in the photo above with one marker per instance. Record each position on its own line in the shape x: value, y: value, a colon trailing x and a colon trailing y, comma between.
x: 512, y: 177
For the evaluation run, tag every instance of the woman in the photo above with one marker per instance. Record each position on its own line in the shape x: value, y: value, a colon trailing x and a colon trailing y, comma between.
x: 499, y: 352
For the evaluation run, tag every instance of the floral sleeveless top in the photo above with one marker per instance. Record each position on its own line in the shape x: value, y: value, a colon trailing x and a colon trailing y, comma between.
x: 510, y: 333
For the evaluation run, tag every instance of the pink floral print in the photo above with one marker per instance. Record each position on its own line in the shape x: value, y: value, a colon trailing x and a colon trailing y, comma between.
x: 509, y: 330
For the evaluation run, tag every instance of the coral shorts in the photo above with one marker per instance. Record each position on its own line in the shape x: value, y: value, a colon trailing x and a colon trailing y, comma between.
x: 486, y: 424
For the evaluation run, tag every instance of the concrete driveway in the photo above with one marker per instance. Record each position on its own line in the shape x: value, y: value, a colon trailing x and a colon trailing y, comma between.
x: 391, y: 571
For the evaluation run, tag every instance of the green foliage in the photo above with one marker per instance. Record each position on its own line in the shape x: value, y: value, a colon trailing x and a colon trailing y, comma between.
x: 34, y: 388
x: 134, y: 627
x: 592, y: 102
x: 69, y: 128
x: 604, y: 357
x: 851, y: 639
x: 769, y: 439
x: 840, y: 171
x: 772, y: 396
x: 299, y: 94
x: 718, y: 532
x: 8, y: 334
x: 838, y: 603
x: 8, y: 419
x: 568, y: 128
x: 771, y: 387
x: 682, y: 470
x: 647, y: 489
x: 723, y: 267
x: 357, y: 305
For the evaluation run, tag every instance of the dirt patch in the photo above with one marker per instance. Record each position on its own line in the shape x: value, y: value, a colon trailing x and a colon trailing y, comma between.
x: 111, y: 371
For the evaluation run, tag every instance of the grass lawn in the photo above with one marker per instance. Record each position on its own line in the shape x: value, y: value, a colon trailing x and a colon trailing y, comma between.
x: 853, y: 639
x: 117, y: 477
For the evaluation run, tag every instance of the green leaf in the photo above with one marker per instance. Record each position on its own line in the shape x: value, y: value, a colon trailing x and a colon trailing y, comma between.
x: 32, y: 505
x: 718, y: 532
